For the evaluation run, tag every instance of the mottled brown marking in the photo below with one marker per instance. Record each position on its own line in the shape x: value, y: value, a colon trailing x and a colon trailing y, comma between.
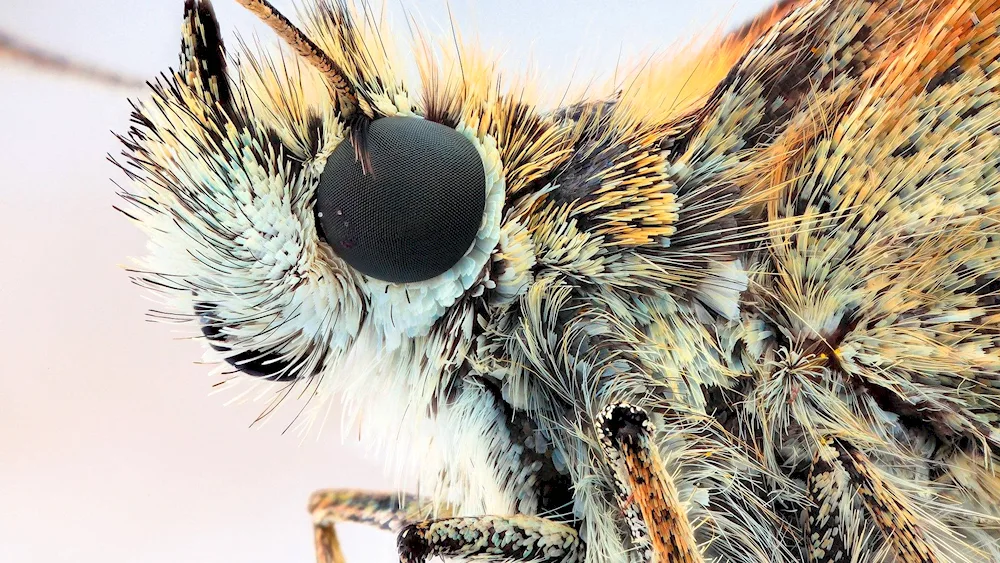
x: 888, y: 508
x: 627, y: 436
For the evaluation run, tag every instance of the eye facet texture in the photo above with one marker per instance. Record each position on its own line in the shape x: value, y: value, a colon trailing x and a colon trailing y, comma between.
x: 416, y: 212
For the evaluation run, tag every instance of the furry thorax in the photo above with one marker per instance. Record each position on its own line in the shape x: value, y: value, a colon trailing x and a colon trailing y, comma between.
x: 702, y: 242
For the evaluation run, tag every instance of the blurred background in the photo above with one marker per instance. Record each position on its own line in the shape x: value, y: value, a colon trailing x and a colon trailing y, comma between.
x: 112, y: 448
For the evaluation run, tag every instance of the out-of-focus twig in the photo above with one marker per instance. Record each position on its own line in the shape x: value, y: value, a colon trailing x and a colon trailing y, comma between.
x: 13, y: 48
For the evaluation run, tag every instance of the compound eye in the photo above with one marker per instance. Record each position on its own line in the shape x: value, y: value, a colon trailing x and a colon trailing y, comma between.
x: 416, y: 212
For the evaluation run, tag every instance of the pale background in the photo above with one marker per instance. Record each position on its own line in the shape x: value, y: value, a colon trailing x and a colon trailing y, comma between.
x: 111, y: 449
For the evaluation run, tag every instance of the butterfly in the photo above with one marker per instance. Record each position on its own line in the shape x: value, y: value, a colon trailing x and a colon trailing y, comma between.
x: 741, y: 306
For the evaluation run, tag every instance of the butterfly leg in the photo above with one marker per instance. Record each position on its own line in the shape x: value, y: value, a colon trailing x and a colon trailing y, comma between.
x: 847, y: 491
x: 491, y: 538
x: 834, y: 517
x: 387, y: 511
x: 646, y: 493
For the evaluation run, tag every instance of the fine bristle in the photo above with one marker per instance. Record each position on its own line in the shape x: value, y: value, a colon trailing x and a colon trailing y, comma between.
x: 344, y: 92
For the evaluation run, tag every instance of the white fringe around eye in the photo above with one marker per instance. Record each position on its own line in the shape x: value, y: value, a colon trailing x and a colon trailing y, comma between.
x: 408, y: 310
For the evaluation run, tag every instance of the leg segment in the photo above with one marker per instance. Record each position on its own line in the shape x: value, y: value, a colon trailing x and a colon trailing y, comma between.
x: 889, y: 509
x: 387, y: 511
x: 646, y: 492
x: 491, y: 538
x: 837, y: 528
x: 848, y: 489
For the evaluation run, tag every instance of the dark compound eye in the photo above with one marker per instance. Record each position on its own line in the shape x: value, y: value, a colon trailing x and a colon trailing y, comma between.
x: 418, y: 209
